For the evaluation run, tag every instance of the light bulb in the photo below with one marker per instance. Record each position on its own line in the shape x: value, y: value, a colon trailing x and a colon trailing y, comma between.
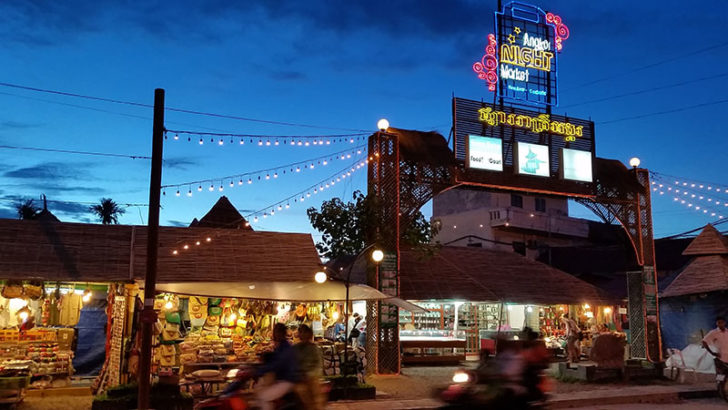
x: 87, y: 296
x: 189, y: 193
x: 382, y: 124
x: 169, y: 305
x: 199, y: 188
x: 320, y: 277
x: 23, y: 315
x: 377, y: 255
x: 208, y: 239
x: 634, y: 162
x: 212, y: 188
x: 336, y: 315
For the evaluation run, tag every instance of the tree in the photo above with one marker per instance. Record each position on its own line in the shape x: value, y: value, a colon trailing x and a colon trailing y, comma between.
x: 344, y: 226
x: 107, y: 211
x: 27, y: 209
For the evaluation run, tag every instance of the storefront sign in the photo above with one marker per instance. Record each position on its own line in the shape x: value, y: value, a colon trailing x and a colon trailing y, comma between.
x: 520, y: 60
x: 576, y: 165
x: 536, y: 124
x: 532, y: 159
x: 485, y: 153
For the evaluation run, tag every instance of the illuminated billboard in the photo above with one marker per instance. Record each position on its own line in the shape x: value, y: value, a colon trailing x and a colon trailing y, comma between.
x: 484, y: 153
x: 532, y: 159
x: 521, y: 59
x: 532, y: 143
x: 576, y: 165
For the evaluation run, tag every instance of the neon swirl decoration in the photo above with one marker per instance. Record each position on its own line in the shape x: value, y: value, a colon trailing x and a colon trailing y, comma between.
x: 487, y: 67
x: 562, y: 32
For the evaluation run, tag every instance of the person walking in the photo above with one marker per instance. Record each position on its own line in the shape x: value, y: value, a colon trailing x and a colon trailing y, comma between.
x: 572, y: 332
x: 718, y: 338
x: 310, y: 368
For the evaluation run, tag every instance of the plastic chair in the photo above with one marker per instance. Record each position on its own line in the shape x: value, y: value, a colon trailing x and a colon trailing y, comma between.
x: 677, y: 361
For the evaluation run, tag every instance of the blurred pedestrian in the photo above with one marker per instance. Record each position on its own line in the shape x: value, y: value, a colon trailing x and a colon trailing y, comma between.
x: 572, y: 332
x: 310, y: 367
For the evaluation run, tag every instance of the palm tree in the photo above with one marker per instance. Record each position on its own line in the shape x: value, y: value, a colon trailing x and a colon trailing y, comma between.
x: 107, y: 211
x: 27, y: 209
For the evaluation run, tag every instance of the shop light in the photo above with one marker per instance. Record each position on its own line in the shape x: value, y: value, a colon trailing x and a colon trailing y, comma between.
x: 169, y: 305
x: 515, y: 337
x: 24, y: 313
x: 17, y: 304
x: 335, y: 315
x: 589, y: 314
x: 383, y: 124
x: 87, y: 295
x: 320, y: 277
x: 529, y: 309
x: 377, y: 255
x: 607, y: 310
x: 586, y: 306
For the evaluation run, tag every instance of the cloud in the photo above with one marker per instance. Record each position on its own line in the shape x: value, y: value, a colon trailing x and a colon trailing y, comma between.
x: 176, y: 223
x: 181, y: 163
x: 17, y: 125
x: 49, y: 171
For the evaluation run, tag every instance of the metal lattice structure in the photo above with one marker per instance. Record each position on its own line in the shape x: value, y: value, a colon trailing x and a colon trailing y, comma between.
x: 402, y: 185
x: 631, y: 205
x: 403, y: 182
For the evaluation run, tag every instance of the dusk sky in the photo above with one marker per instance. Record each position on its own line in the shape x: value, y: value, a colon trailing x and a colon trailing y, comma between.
x: 653, y: 76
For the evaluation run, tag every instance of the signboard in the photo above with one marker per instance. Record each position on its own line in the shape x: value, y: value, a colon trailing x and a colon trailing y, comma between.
x: 388, y: 284
x: 542, y: 153
x: 484, y: 153
x: 576, y: 165
x: 521, y: 59
x: 532, y: 159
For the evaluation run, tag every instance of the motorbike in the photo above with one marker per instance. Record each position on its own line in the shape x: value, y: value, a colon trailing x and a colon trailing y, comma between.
x: 487, y: 390
x: 242, y: 398
x: 721, y: 371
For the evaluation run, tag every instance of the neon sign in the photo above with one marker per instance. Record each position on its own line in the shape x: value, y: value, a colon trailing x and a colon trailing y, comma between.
x: 520, y: 60
x: 536, y: 124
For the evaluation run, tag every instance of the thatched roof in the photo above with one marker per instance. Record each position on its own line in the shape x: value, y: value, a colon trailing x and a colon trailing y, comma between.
x: 489, y: 275
x: 222, y: 215
x: 704, y: 274
x: 89, y: 252
x: 709, y: 242
x: 425, y: 147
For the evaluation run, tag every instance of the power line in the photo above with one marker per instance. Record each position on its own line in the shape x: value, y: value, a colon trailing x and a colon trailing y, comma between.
x: 65, y: 151
x: 71, y: 202
x: 646, y: 90
x: 652, y: 114
x: 651, y: 65
x: 181, y: 110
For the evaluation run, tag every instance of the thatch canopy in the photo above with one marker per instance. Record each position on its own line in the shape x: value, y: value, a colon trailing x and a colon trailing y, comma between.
x: 709, y: 242
x: 89, y: 252
x: 222, y: 215
x: 476, y: 274
x: 425, y: 147
x: 708, y: 271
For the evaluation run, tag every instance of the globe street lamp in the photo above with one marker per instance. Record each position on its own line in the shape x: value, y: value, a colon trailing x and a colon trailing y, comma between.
x: 320, y: 277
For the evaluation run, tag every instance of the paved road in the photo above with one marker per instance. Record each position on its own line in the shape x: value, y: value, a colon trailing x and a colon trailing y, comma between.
x: 702, y: 404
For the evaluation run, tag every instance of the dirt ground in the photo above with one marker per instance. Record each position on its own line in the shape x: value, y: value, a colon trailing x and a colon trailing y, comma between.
x: 56, y: 403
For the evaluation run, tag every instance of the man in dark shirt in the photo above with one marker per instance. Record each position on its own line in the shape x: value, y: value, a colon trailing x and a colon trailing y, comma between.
x: 282, y: 362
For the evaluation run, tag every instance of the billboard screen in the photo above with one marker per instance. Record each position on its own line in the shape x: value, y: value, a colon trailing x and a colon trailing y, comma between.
x: 532, y: 159
x: 576, y: 165
x: 484, y: 153
x: 522, y: 134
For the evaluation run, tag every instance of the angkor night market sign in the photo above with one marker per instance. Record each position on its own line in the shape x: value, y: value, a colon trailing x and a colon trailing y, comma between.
x: 521, y: 59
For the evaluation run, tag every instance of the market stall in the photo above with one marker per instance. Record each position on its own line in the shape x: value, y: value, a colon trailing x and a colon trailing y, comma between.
x: 476, y: 296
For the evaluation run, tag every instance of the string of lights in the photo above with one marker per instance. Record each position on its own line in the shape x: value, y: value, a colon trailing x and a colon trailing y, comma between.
x: 279, y: 206
x: 685, y: 182
x: 682, y: 192
x: 248, y: 178
x: 264, y: 140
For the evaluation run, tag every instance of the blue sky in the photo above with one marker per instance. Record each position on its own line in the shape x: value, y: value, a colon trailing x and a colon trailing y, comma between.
x: 340, y: 67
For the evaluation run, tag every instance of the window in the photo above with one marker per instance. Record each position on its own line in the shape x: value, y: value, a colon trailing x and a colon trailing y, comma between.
x: 540, y: 205
x: 516, y: 200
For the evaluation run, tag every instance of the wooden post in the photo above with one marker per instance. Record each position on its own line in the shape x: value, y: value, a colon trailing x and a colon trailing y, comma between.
x: 148, y: 316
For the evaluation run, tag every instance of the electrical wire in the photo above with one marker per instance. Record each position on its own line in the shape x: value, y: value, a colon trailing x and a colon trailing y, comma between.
x: 181, y: 110
x: 690, y: 107
x: 621, y: 73
x: 643, y: 91
x: 65, y: 151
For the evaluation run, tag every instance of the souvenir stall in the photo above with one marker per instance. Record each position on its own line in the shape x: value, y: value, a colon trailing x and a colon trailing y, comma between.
x: 40, y: 324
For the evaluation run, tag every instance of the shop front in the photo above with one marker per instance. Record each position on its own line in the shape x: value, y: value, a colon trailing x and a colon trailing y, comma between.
x: 475, y: 297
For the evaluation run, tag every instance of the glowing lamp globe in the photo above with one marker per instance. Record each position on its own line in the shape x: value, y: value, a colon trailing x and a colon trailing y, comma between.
x: 634, y: 162
x: 169, y: 305
x: 383, y: 124
x: 320, y: 277
x: 377, y: 255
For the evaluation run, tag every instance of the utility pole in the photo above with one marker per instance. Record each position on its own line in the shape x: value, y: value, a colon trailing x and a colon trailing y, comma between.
x: 148, y: 316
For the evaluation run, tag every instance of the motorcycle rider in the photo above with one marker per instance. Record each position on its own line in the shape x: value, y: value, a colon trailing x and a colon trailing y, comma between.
x: 282, y: 363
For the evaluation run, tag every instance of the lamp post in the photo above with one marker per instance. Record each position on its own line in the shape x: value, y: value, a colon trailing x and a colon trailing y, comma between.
x: 377, y: 255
